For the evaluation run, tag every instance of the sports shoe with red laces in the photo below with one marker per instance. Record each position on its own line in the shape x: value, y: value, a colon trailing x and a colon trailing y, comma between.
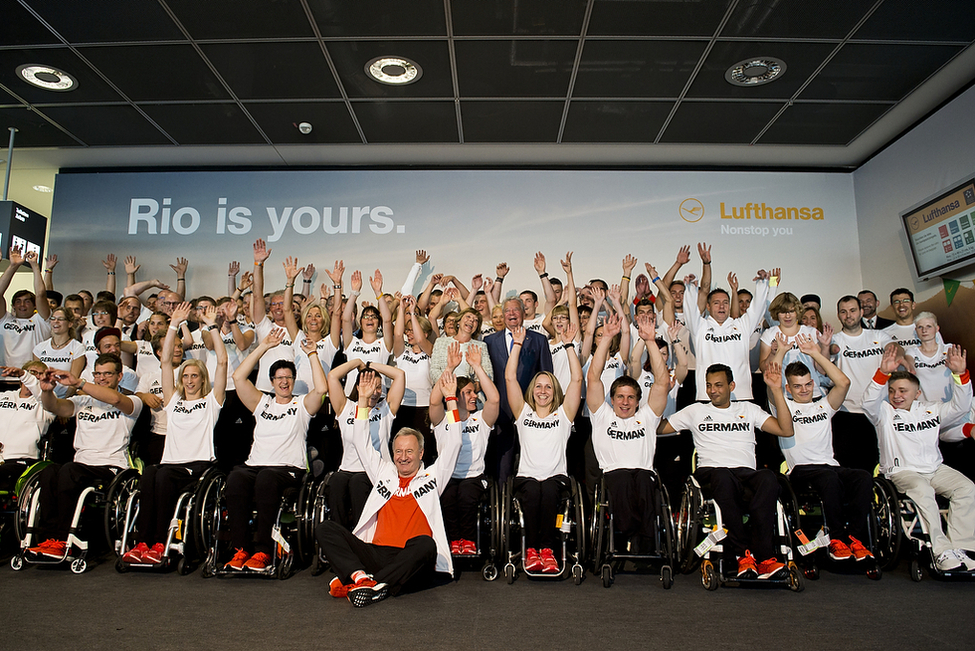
x: 50, y: 548
x: 771, y: 568
x: 839, y: 551
x: 747, y: 567
x: 367, y: 591
x: 237, y: 562
x: 468, y: 547
x: 860, y: 551
x: 136, y: 554
x: 455, y: 547
x: 533, y: 562
x: 549, y: 564
x: 258, y: 562
x: 155, y: 555
x: 338, y: 589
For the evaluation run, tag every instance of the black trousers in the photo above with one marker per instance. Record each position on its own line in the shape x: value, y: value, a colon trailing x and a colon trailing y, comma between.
x: 846, y: 494
x: 347, y: 495
x: 502, y: 449
x: 11, y: 470
x: 855, y: 441
x: 159, y: 489
x: 633, y: 501
x: 727, y: 487
x: 260, y: 486
x: 61, y: 485
x: 233, y: 433
x: 393, y: 566
x: 459, y: 502
x: 539, y: 502
x: 672, y: 460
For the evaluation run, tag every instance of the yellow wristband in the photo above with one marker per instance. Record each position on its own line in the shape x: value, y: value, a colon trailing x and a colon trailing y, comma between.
x: 453, y: 416
x: 362, y: 413
x: 773, y: 281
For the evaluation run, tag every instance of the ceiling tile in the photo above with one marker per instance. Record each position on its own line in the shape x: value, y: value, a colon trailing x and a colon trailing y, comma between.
x: 156, y: 72
x: 524, y: 18
x: 593, y: 121
x: 273, y: 70
x: 719, y: 122
x: 242, y: 20
x: 107, y: 125
x: 433, y: 57
x: 877, y: 71
x: 204, y: 124
x: 511, y: 121
x: 33, y: 130
x: 801, y: 60
x: 380, y: 18
x: 91, y: 87
x: 636, y: 68
x: 944, y: 20
x: 19, y: 27
x: 796, y: 18
x: 108, y: 21
x: 331, y: 122
x: 514, y: 68
x: 407, y: 121
x: 822, y: 124
x: 650, y: 18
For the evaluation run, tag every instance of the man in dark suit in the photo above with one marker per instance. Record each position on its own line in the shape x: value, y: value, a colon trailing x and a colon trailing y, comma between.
x: 535, y: 356
x: 869, y: 304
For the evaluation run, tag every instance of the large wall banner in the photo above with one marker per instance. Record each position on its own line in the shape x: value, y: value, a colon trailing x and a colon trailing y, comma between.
x: 468, y: 221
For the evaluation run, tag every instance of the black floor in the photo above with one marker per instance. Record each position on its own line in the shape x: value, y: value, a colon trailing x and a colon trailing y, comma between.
x: 50, y: 608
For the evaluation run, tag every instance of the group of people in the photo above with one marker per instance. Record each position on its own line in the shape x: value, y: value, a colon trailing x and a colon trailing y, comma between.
x: 426, y: 396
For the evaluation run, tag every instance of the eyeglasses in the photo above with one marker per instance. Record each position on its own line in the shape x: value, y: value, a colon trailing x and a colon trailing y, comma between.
x: 99, y: 313
x: 283, y: 377
x: 103, y: 373
x: 57, y: 318
x: 901, y: 301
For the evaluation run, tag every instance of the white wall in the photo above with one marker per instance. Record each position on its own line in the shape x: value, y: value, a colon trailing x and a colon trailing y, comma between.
x: 935, y: 154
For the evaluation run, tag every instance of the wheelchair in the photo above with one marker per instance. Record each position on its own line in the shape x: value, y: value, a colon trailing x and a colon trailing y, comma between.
x: 10, y: 511
x: 610, y: 554
x: 804, y: 512
x: 907, y: 521
x: 112, y: 498
x: 292, y: 532
x: 488, y: 535
x: 699, y: 529
x: 571, y: 522
x: 189, y: 535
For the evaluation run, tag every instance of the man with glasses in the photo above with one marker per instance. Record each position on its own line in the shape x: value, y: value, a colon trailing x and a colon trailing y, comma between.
x: 869, y: 304
x: 23, y: 328
x: 266, y: 323
x: 108, y: 341
x: 902, y: 331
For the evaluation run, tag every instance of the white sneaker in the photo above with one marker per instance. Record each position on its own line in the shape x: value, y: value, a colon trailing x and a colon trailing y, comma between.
x: 948, y: 560
x: 966, y: 560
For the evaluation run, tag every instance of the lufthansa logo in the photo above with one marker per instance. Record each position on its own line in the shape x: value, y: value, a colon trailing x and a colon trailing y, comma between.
x: 691, y: 210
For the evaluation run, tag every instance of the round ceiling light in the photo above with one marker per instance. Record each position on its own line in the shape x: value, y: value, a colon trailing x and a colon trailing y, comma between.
x: 47, y: 77
x: 395, y: 71
x: 755, y: 72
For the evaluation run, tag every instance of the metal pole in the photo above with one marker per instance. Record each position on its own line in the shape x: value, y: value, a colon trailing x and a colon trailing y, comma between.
x: 10, y: 159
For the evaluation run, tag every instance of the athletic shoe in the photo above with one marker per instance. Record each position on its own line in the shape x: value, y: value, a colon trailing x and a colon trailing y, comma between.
x: 455, y: 547
x: 948, y: 560
x: 258, y: 562
x: 549, y: 564
x: 468, y: 547
x: 237, y: 562
x: 839, y: 551
x: 771, y: 568
x: 155, y: 555
x: 747, y: 567
x: 50, y: 548
x: 860, y: 552
x: 136, y: 554
x: 533, y: 562
x: 338, y: 589
x: 366, y: 591
x: 965, y: 559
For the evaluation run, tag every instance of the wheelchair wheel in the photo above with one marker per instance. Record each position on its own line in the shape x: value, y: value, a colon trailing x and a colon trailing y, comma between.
x: 286, y: 566
x: 688, y: 526
x: 709, y: 577
x: 495, y: 526
x: 667, y: 577
x: 304, y: 520
x: 607, y: 576
x: 16, y: 562
x: 916, y: 573
x: 581, y: 549
x: 79, y: 565
x: 795, y: 578
x: 24, y: 497
x: 599, y: 530
x: 116, y: 501
x: 509, y: 573
x: 669, y: 533
x: 184, y: 566
x: 207, y: 507
x: 489, y: 572
x: 886, y: 523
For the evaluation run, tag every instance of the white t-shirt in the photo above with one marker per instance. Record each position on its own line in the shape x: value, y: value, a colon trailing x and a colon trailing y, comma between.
x: 905, y: 335
x: 304, y: 382
x: 417, y: 369
x: 151, y: 382
x: 145, y: 360
x: 284, y: 350
x: 615, y: 368
x: 280, y: 433
x: 646, y: 383
x: 234, y: 357
x: 543, y: 442
x: 358, y: 349
x: 103, y: 431
x: 20, y: 336
x: 624, y: 442
x: 380, y: 425
x: 475, y: 435
x: 859, y: 358
x: 936, y: 385
x: 189, y: 437
x: 813, y: 440
x: 560, y: 362
x: 23, y: 420
x: 536, y: 325
x: 59, y: 358
x: 724, y: 438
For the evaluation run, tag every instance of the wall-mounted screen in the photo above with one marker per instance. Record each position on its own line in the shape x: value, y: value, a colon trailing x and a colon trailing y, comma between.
x: 941, y: 230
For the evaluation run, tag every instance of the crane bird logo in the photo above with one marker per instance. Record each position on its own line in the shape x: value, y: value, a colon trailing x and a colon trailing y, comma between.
x: 691, y: 210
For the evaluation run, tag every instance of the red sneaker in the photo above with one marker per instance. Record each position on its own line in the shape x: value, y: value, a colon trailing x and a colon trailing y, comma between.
x: 155, y: 555
x: 860, y: 552
x: 50, y: 548
x: 455, y: 547
x: 367, y: 591
x: 468, y: 547
x: 136, y: 554
x: 839, y: 551
x: 747, y: 566
x: 258, y: 562
x: 237, y: 562
x: 338, y: 589
x: 533, y: 563
x: 771, y: 568
x: 549, y: 564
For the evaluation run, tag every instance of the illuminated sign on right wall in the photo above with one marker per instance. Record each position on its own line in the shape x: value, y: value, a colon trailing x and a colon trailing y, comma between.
x: 941, y: 230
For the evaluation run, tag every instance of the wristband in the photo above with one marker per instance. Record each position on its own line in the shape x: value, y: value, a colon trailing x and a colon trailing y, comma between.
x: 707, y: 263
x: 544, y: 275
x: 339, y: 286
x: 569, y: 345
x: 676, y: 341
x: 515, y: 343
x: 211, y: 328
x: 306, y: 280
x: 289, y: 286
x: 626, y: 278
x: 449, y: 398
x: 258, y: 264
x: 379, y: 297
x: 314, y: 352
x: 880, y: 377
x: 362, y: 413
x: 83, y: 383
x: 355, y: 293
x: 50, y: 271
x: 173, y: 328
x: 961, y: 379
x: 656, y: 280
x: 773, y: 281
x: 111, y: 273
x: 499, y: 279
x: 966, y: 429
x: 453, y: 416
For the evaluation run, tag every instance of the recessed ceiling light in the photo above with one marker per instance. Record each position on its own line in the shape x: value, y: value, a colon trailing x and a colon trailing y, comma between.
x: 47, y: 77
x: 395, y: 71
x: 755, y: 71
x: 43, y: 188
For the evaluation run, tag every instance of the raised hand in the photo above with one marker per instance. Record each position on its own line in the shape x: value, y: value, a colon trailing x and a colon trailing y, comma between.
x: 826, y: 336
x: 890, y: 360
x: 567, y: 263
x: 109, y: 262
x: 615, y: 293
x: 291, y: 269
x: 476, y: 283
x: 569, y: 333
x: 356, y: 282
x: 448, y: 385
x: 673, y: 330
x: 773, y: 375
x: 180, y: 267
x: 209, y: 315
x: 436, y: 279
x: 273, y: 338
x: 261, y: 252
x: 52, y: 261
x: 181, y: 312
x: 647, y: 328
x: 16, y: 257
x: 806, y: 344
x: 518, y: 335
x: 611, y: 326
x: 473, y: 356
x: 309, y: 272
x: 684, y: 255
x: 651, y: 273
x: 422, y: 257
x: 232, y: 269
x: 454, y: 356
x: 246, y: 280
x: 704, y: 251
x: 338, y: 270
x: 598, y: 296
x: 733, y: 283
x: 308, y: 346
x: 230, y: 310
x: 540, y: 262
x: 957, y: 359
x: 629, y: 262
x: 502, y: 269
